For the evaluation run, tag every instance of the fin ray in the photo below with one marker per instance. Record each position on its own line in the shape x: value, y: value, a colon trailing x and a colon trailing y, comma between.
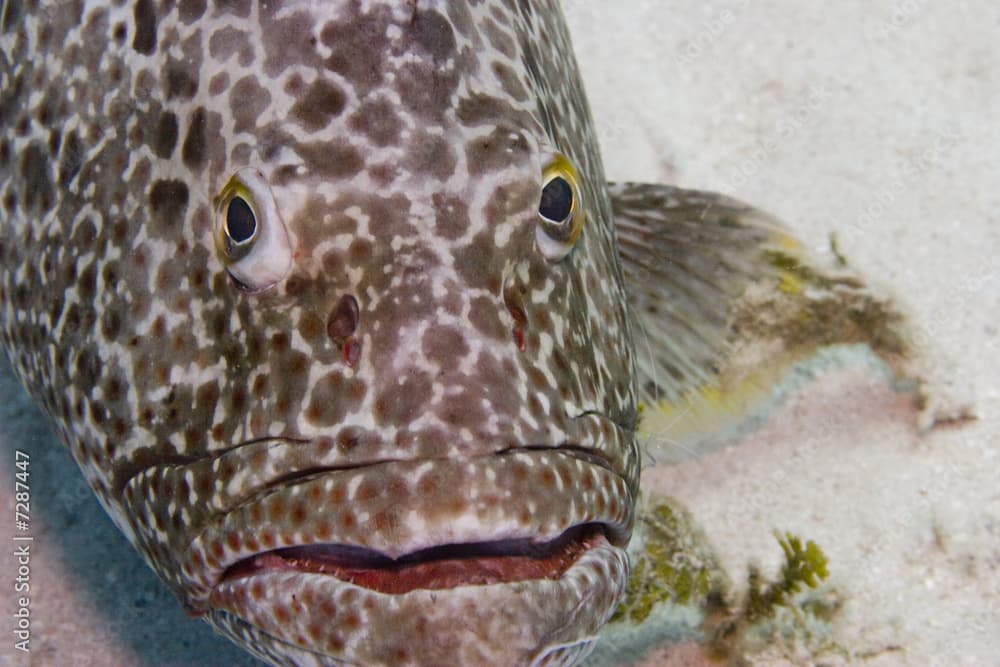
x: 724, y: 301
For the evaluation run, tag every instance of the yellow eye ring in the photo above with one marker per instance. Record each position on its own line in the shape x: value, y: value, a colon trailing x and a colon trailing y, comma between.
x: 250, y: 235
x: 238, y: 228
x: 560, y: 216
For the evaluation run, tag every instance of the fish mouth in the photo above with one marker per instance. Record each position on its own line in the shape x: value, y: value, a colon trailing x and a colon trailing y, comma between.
x: 436, y: 568
x: 400, y: 526
x: 314, y: 617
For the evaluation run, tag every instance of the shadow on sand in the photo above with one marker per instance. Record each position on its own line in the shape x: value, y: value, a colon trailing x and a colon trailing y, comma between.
x: 139, y: 611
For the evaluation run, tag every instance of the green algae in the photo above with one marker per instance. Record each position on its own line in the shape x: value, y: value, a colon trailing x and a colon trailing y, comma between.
x: 674, y: 567
x: 674, y: 564
x: 790, y: 614
x: 803, y: 566
x: 812, y: 309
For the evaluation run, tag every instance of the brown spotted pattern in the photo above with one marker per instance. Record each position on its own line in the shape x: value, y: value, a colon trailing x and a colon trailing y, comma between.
x: 421, y: 376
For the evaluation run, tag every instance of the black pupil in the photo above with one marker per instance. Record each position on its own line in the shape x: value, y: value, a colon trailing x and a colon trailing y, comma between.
x: 240, y: 222
x: 557, y: 200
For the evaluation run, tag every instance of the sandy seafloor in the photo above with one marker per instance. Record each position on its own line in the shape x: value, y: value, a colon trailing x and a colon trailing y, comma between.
x: 876, y: 121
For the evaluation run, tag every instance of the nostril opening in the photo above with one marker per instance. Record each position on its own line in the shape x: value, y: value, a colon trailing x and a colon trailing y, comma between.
x: 343, y: 321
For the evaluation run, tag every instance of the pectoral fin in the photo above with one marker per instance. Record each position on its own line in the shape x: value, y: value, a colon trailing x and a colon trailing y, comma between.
x: 725, y: 302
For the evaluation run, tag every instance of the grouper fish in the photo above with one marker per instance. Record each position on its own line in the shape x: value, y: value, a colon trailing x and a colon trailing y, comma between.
x: 336, y: 312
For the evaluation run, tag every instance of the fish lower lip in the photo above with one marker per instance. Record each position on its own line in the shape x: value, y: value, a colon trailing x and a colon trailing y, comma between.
x: 398, y: 508
x: 436, y: 568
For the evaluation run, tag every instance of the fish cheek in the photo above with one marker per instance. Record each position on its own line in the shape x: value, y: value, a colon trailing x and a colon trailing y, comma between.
x: 496, y: 373
x: 484, y: 313
x: 333, y: 397
x: 168, y: 201
x: 206, y: 398
x: 403, y: 401
x: 476, y: 262
x: 290, y: 385
x: 451, y: 216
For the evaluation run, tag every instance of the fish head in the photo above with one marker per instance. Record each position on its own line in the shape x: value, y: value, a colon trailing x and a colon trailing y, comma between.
x: 366, y: 375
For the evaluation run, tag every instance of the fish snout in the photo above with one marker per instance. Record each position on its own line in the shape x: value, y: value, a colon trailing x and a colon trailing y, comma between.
x: 326, y: 560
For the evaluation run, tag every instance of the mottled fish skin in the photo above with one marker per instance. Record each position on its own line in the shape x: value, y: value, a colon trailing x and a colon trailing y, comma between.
x: 481, y: 391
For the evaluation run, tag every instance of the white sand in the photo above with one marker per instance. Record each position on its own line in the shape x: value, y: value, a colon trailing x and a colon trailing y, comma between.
x: 876, y: 121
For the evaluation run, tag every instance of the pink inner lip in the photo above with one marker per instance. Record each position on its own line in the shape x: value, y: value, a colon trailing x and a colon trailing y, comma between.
x: 436, y: 568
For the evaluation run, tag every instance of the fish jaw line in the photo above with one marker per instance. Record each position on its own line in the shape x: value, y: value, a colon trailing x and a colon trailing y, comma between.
x: 394, y: 509
x: 313, y: 616
x: 437, y: 568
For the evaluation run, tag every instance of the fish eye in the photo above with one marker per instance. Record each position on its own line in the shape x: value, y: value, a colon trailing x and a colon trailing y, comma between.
x: 557, y: 203
x: 559, y: 215
x: 251, y: 238
x: 241, y: 223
